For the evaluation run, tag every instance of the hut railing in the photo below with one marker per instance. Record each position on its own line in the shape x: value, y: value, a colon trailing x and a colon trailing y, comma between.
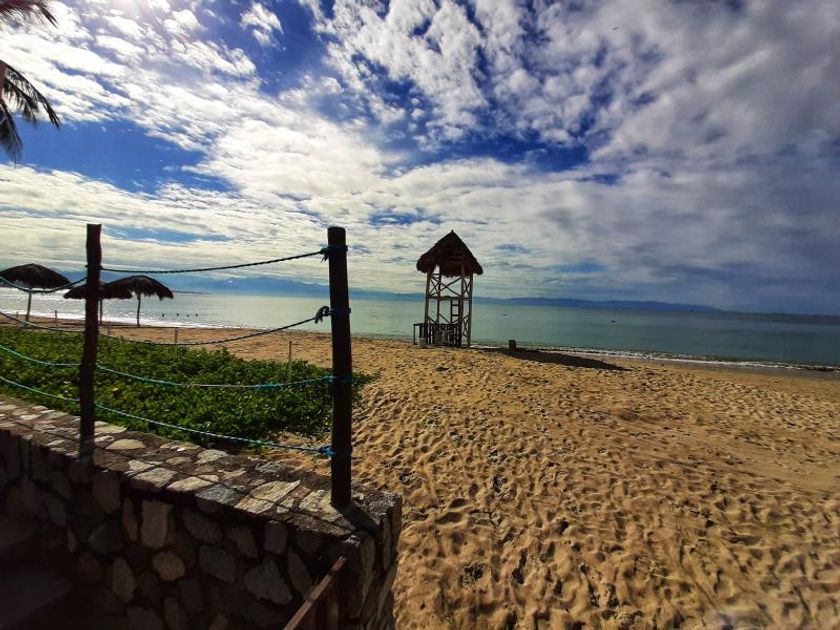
x: 437, y: 333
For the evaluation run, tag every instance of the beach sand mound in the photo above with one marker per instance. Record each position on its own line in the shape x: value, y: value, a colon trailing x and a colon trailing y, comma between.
x: 546, y: 495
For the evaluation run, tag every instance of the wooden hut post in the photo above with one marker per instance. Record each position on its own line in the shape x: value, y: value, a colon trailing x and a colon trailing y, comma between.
x: 469, y: 310
x: 87, y: 370
x: 425, y: 328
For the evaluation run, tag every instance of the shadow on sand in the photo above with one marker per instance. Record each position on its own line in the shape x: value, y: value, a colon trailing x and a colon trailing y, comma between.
x: 539, y: 356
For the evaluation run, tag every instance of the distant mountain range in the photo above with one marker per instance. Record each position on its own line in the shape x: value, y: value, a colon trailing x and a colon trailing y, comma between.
x: 293, y: 288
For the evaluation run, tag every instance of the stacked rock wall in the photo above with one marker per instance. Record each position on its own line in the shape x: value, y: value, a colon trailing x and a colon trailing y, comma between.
x: 166, y: 534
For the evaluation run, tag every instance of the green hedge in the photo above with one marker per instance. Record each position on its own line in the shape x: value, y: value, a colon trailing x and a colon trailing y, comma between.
x: 256, y: 414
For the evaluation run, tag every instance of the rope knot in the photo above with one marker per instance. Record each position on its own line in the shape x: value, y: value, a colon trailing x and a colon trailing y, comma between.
x: 321, y: 313
x: 332, y: 248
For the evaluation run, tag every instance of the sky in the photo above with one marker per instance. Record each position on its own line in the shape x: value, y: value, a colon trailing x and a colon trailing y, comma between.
x: 684, y: 151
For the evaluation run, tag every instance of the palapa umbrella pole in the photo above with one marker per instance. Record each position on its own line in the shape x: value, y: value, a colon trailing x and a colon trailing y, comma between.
x: 28, y: 305
x: 139, y: 297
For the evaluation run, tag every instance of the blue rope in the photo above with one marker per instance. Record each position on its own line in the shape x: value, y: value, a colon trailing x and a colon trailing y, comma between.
x: 31, y: 325
x: 39, y: 291
x: 38, y: 391
x: 320, y: 450
x: 26, y: 357
x: 319, y: 316
x: 155, y: 381
x: 323, y: 251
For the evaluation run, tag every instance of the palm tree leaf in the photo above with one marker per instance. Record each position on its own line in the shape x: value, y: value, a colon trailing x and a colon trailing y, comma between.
x: 21, y: 101
x: 9, y: 137
x: 21, y: 88
x: 35, y: 10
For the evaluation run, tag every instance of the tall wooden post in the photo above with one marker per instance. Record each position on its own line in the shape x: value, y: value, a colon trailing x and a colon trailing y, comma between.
x: 342, y: 369
x: 87, y: 369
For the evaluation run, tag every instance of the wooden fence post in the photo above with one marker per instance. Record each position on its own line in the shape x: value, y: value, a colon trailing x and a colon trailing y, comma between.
x: 342, y: 369
x: 87, y: 370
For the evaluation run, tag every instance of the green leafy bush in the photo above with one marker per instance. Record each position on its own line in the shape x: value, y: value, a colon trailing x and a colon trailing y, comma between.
x: 249, y: 413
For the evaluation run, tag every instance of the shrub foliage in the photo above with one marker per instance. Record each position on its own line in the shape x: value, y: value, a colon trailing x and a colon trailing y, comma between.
x: 255, y: 414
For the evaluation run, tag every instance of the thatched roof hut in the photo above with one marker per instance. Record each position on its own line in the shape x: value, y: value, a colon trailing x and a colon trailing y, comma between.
x: 449, y: 253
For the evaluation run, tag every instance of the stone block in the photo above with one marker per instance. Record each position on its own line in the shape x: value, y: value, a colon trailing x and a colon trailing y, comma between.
x: 104, y: 599
x: 218, y: 563
x: 80, y: 472
x: 299, y: 574
x: 255, y: 506
x: 144, y: 619
x: 150, y: 587
x: 308, y: 542
x: 129, y: 520
x: 155, y: 524
x: 106, y: 538
x: 265, y: 582
x: 30, y: 497
x: 138, y: 556
x: 89, y: 568
x: 210, y: 455
x: 244, y: 541
x: 209, y: 500
x: 56, y: 511
x: 220, y: 622
x: 106, y: 490
x: 201, y: 527
x: 38, y: 463
x: 153, y: 480
x: 190, y: 484
x: 274, y: 491
x: 168, y: 565
x: 125, y: 444
x: 276, y: 537
x: 122, y: 580
x: 174, y: 615
x: 191, y: 595
x: 263, y: 616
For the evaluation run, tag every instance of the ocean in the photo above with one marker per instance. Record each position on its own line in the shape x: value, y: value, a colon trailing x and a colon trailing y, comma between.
x: 718, y: 336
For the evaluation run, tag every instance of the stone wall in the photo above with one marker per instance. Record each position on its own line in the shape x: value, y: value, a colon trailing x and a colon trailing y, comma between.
x: 166, y: 534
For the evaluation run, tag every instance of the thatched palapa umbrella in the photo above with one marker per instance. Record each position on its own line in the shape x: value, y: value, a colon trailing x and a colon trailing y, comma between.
x: 106, y: 292
x: 140, y: 286
x: 33, y: 276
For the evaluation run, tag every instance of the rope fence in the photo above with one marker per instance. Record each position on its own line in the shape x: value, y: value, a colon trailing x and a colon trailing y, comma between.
x: 31, y: 291
x: 324, y: 251
x: 338, y: 452
x: 322, y: 312
x: 27, y: 324
x: 34, y: 390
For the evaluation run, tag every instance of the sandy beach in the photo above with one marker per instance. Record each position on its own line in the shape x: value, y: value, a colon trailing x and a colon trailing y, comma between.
x: 614, y: 494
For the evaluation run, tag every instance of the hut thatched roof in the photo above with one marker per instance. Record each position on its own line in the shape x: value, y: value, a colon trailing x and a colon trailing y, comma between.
x: 448, y: 253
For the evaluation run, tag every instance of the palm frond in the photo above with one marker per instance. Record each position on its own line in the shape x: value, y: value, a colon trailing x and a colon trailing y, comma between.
x: 10, y: 140
x: 33, y: 10
x: 25, y: 97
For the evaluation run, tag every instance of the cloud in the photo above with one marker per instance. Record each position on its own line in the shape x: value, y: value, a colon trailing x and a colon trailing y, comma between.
x: 708, y: 139
x: 262, y: 22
